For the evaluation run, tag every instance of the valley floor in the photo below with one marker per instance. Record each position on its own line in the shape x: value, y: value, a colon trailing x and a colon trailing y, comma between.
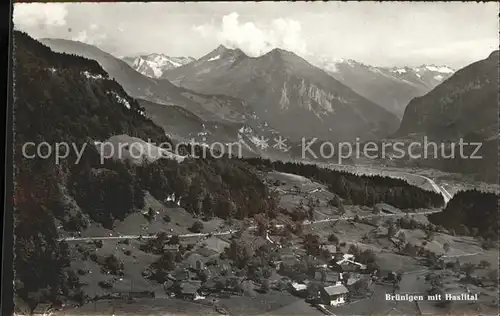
x: 358, y: 227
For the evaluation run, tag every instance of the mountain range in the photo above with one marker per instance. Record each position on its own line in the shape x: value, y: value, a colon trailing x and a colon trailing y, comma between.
x: 390, y: 87
x: 154, y: 65
x: 293, y: 96
x: 228, y: 96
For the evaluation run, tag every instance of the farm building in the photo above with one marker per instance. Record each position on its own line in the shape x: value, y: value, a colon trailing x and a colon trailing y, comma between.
x: 334, y: 295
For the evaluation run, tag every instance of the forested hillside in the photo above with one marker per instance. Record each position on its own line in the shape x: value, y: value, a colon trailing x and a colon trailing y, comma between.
x: 58, y: 98
x: 362, y: 190
x: 471, y: 212
x: 65, y: 98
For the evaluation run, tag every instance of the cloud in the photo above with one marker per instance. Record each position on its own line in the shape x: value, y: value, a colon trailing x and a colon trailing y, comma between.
x: 41, y: 15
x: 92, y: 37
x: 255, y: 39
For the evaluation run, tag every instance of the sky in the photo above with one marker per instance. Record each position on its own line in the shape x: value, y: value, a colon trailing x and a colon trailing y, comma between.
x: 375, y: 33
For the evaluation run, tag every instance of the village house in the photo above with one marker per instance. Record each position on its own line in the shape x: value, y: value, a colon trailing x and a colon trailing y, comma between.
x: 194, y: 262
x: 170, y: 248
x: 189, y: 290
x: 347, y: 264
x: 298, y: 288
x: 334, y: 295
x: 327, y: 276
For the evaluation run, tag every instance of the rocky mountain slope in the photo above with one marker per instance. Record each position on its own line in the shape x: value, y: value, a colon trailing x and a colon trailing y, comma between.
x: 463, y: 107
x: 295, y: 97
x: 391, y: 88
x: 465, y: 103
x: 208, y: 106
x: 154, y: 65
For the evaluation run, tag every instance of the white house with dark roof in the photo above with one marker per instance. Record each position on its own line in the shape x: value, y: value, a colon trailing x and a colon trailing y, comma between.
x: 334, y: 295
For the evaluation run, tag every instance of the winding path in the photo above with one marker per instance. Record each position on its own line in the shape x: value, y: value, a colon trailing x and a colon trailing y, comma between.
x: 439, y: 189
x: 229, y: 232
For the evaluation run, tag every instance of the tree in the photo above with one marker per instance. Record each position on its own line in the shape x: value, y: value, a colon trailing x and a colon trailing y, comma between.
x: 429, y: 235
x: 174, y: 240
x: 410, y: 250
x: 391, y: 230
x: 151, y: 214
x: 361, y: 287
x: 298, y: 228
x: 197, y: 227
x: 468, y: 268
x: 207, y: 206
x: 265, y: 286
x: 333, y: 238
x: 483, y: 264
x: 113, y: 265
x: 323, y: 275
x: 446, y: 247
x: 262, y: 224
x: 312, y: 244
x: 474, y: 231
x: 366, y: 256
x: 402, y: 237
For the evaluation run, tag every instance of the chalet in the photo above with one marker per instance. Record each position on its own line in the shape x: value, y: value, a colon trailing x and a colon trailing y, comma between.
x: 327, y: 276
x: 206, y: 252
x: 347, y: 264
x: 194, y: 261
x: 334, y: 295
x: 189, y: 290
x: 297, y: 288
x: 286, y: 262
x: 42, y: 309
x: 180, y: 275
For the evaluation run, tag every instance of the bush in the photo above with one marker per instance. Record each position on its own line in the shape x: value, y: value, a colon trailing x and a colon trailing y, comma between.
x: 105, y: 284
x: 197, y: 227
x: 483, y: 264
x: 333, y: 238
x: 487, y: 244
x: 98, y: 243
x: 167, y: 218
x: 113, y: 265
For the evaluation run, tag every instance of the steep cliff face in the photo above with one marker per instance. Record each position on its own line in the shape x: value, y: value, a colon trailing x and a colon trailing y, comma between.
x: 154, y: 65
x: 295, y: 97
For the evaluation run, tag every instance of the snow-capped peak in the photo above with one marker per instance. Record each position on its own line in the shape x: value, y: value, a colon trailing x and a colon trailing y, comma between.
x: 399, y: 70
x: 434, y: 68
x: 442, y: 69
x: 154, y: 65
x: 214, y: 58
